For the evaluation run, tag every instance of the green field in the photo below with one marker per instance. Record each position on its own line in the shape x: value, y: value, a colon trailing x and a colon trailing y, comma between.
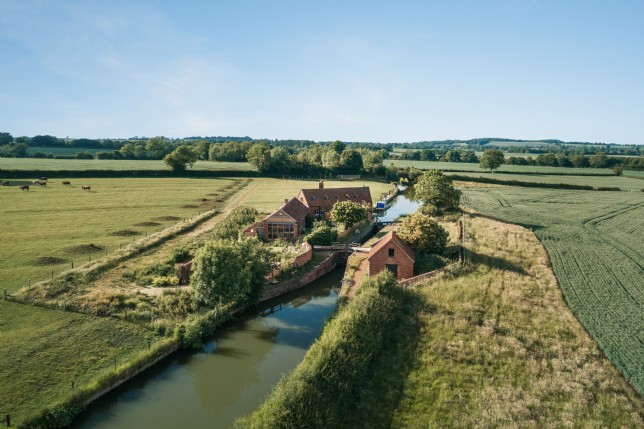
x: 50, y: 227
x: 45, y: 164
x: 43, y: 351
x: 622, y: 182
x: 527, y: 169
x: 594, y: 241
x: 64, y: 150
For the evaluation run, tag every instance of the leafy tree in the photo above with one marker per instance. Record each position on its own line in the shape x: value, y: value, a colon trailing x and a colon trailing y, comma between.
x: 337, y: 146
x: 139, y: 151
x: 372, y: 162
x: 279, y: 159
x: 427, y: 155
x: 331, y: 160
x: 452, y: 156
x: 492, y: 159
x: 423, y: 233
x: 322, y: 234
x: 350, y: 161
x: 230, y: 272
x: 618, y: 169
x: 202, y: 149
x: 599, y: 160
x: 45, y: 141
x: 436, y: 189
x: 5, y: 138
x: 179, y: 158
x: 14, y: 150
x: 348, y: 213
x: 259, y: 155
x: 128, y: 151
x: 579, y: 161
x: 157, y: 146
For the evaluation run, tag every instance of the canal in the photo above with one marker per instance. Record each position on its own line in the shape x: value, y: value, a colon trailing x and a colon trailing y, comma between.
x: 402, y: 204
x: 230, y: 376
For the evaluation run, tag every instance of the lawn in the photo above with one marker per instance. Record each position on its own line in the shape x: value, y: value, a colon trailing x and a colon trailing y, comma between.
x: 594, y: 241
x: 48, y: 228
x: 45, y: 164
x: 43, y: 351
x: 622, y: 182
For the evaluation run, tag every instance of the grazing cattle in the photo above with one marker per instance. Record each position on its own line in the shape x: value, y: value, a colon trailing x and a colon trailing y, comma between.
x: 86, y: 188
x: 67, y: 183
x: 24, y: 188
x: 35, y: 183
x: 43, y: 179
x: 5, y: 183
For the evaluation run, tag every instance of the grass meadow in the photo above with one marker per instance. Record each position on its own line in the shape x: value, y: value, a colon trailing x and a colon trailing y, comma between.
x: 594, y: 241
x: 64, y: 150
x: 48, y: 228
x: 500, y: 348
x: 46, y: 164
x: 43, y: 351
x: 613, y: 181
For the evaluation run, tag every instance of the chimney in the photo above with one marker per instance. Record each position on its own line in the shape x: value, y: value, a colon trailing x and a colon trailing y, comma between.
x: 285, y: 200
x: 321, y: 184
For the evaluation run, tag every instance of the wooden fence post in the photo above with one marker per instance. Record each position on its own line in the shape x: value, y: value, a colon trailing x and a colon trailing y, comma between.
x: 5, y: 294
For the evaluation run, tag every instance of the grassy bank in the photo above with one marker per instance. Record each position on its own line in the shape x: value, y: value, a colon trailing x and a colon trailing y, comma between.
x: 43, y: 351
x: 350, y: 376
x: 500, y: 348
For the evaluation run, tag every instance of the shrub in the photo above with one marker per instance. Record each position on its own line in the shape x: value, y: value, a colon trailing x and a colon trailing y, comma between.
x: 322, y: 235
x: 179, y: 255
x: 165, y: 281
x: 159, y: 269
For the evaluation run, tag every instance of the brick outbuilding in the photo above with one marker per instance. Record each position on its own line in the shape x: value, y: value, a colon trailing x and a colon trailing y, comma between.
x: 393, y: 254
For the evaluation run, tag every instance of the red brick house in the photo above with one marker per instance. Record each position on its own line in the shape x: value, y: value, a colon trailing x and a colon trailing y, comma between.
x: 287, y: 222
x: 393, y: 254
x: 320, y: 200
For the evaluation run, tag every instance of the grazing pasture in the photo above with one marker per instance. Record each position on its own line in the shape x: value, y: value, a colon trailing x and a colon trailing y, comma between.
x: 48, y: 228
x: 594, y: 240
x: 46, y: 164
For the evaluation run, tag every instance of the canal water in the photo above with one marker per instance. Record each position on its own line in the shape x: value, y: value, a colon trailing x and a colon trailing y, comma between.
x: 230, y: 376
x: 402, y: 204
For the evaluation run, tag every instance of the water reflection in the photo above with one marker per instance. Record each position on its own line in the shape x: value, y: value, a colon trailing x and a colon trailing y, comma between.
x: 230, y: 376
x: 402, y: 204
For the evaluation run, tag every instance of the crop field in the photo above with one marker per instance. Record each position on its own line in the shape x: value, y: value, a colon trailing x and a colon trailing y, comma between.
x: 474, y: 167
x: 48, y: 228
x: 45, y: 164
x: 594, y: 241
x: 622, y: 182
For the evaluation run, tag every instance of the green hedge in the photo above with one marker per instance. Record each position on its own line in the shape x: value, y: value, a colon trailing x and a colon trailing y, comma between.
x: 352, y: 376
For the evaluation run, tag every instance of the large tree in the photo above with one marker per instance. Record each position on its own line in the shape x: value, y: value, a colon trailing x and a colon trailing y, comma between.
x: 348, y: 213
x: 259, y: 156
x: 492, y: 159
x: 230, y: 272
x: 157, y: 146
x: 436, y: 189
x: 423, y: 233
x: 5, y: 138
x: 180, y: 158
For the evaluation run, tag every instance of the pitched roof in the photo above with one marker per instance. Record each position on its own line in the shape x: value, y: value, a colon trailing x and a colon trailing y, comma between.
x: 292, y: 208
x: 389, y: 237
x: 295, y: 209
x: 324, y: 196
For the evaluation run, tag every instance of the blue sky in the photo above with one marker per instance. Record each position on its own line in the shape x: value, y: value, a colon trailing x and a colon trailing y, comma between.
x: 382, y: 71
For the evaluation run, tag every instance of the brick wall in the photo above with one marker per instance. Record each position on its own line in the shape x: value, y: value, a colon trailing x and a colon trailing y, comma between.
x: 278, y: 289
x: 378, y: 262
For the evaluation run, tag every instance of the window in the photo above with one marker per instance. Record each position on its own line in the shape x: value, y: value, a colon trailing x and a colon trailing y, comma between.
x: 280, y: 230
x: 326, y: 197
x: 392, y: 252
x: 355, y: 195
x: 312, y: 197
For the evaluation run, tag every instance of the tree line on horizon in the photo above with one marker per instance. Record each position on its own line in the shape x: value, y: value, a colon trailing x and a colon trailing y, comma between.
x: 307, y: 156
